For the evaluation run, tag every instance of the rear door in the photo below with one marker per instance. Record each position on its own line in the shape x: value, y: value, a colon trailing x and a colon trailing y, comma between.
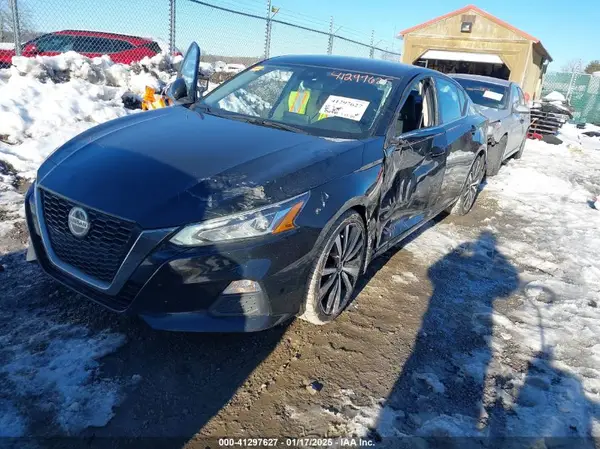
x: 459, y: 138
x: 515, y: 131
x: 414, y: 164
x: 524, y: 118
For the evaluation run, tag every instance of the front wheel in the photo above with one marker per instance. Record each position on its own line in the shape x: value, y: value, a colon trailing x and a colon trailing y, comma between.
x: 471, y: 189
x: 341, y: 258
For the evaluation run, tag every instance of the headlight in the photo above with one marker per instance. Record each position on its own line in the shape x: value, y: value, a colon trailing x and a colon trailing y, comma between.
x: 272, y: 219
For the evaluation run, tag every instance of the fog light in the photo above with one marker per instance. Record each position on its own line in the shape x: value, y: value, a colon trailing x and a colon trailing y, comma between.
x: 241, y: 287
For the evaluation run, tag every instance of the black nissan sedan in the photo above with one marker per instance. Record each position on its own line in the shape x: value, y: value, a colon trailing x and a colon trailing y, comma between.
x: 261, y: 200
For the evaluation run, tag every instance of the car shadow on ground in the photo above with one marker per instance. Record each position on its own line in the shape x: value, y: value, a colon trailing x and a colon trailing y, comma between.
x: 451, y: 393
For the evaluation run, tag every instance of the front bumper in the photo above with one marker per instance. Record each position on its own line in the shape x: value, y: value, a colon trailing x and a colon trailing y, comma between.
x: 181, y: 289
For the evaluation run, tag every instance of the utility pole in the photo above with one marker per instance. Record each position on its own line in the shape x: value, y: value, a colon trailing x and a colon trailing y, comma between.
x: 268, y: 30
x: 16, y: 27
x: 330, y: 43
x: 372, y: 52
x: 171, y: 27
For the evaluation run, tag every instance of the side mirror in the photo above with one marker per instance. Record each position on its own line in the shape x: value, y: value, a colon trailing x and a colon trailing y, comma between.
x: 521, y: 109
x: 185, y: 87
x: 177, y: 90
x: 31, y: 49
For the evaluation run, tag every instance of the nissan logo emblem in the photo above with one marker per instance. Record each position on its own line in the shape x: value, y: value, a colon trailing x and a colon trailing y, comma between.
x: 79, y: 224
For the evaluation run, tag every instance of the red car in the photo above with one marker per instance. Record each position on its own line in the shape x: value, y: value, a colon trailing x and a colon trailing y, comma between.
x: 121, y: 48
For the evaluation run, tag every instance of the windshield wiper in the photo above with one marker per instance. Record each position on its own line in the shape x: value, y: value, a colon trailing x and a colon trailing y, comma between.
x: 272, y: 124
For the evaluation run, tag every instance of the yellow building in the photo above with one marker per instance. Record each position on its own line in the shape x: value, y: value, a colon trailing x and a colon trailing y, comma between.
x: 470, y: 40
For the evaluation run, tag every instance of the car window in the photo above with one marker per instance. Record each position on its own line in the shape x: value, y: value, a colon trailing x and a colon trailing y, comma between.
x: 448, y: 101
x: 485, y: 94
x: 258, y: 96
x: 317, y: 100
x: 417, y: 112
x: 89, y: 44
x: 522, y: 101
x: 55, y: 43
x: 515, y: 100
x: 119, y: 45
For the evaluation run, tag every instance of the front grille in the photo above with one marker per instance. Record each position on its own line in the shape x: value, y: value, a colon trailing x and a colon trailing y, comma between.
x: 100, y: 253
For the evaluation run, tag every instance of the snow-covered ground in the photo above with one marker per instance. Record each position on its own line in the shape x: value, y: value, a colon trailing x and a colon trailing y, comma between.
x: 539, y: 373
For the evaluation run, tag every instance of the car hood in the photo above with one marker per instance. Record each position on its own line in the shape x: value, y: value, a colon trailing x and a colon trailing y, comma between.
x: 493, y: 115
x: 175, y: 166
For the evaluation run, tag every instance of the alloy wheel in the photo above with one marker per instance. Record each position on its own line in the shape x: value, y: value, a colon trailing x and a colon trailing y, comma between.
x: 473, y: 182
x: 341, y: 269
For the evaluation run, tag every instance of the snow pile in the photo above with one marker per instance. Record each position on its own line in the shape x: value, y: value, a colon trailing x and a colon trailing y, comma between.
x: 154, y: 72
x: 555, y: 96
x: 45, y: 101
x: 52, y: 369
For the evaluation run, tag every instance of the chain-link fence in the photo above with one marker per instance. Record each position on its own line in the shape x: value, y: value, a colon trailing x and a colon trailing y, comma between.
x: 232, y: 31
x: 582, y: 91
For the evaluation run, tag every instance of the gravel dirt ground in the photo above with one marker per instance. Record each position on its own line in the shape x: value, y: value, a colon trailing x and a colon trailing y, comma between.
x: 296, y: 380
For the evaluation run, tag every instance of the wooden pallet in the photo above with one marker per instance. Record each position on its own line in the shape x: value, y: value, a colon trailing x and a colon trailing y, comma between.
x: 546, y: 122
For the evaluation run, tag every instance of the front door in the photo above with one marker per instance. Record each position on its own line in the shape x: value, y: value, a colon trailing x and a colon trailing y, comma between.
x: 414, y: 165
x: 459, y: 135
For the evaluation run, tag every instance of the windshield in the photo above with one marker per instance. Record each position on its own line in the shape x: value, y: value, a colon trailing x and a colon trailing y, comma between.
x: 314, y: 100
x: 485, y: 94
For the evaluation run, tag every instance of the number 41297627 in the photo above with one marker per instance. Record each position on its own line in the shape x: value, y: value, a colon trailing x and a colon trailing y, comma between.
x: 357, y: 77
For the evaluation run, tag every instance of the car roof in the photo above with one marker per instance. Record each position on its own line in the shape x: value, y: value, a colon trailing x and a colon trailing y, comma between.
x: 483, y: 79
x: 135, y: 40
x: 367, y: 65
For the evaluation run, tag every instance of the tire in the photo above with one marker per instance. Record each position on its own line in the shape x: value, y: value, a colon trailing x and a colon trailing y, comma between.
x: 471, y: 188
x: 494, y: 160
x: 519, y: 153
x: 322, y: 304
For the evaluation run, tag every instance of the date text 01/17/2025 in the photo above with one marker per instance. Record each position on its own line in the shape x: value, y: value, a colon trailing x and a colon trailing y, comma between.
x: 295, y: 442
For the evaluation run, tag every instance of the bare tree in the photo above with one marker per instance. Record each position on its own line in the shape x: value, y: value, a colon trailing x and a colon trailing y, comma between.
x: 573, y: 65
x: 6, y: 22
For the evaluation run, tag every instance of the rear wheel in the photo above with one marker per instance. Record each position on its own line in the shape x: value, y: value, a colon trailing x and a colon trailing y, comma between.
x: 494, y: 157
x: 337, y: 269
x: 471, y: 189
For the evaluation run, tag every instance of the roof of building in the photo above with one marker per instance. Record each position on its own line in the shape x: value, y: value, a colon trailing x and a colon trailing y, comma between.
x: 483, y: 13
x: 350, y: 63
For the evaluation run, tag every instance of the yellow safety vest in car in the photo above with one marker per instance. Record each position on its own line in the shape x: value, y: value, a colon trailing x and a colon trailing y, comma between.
x: 298, y: 100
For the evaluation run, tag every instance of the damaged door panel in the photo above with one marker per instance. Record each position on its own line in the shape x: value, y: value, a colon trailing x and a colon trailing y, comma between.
x: 413, y: 172
x: 413, y: 166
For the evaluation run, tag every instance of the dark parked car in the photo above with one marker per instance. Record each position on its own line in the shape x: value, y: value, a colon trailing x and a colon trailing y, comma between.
x: 503, y: 103
x: 263, y: 200
x: 121, y: 48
